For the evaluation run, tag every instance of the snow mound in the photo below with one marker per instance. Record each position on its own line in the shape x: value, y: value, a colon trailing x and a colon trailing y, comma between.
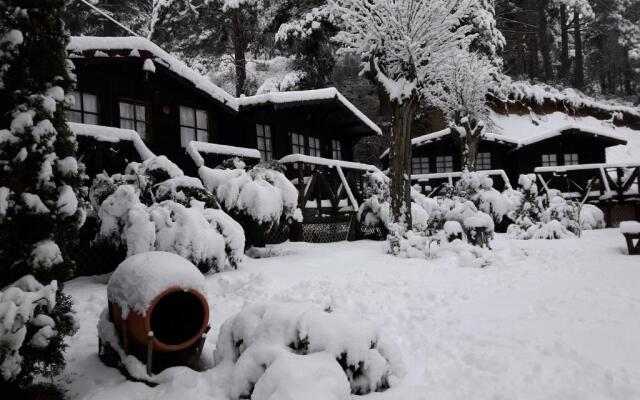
x: 141, y: 278
x: 257, y: 336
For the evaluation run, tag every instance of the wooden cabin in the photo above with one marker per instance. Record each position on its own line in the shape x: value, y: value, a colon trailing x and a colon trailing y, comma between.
x: 130, y: 83
x: 134, y: 100
x: 438, y: 152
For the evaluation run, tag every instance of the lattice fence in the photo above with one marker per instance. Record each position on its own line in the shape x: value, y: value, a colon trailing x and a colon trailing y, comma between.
x: 325, y: 232
x: 278, y: 234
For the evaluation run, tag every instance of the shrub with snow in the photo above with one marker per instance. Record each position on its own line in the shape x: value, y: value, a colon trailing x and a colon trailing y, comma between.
x: 563, y: 211
x: 478, y: 188
x: 263, y: 339
x: 153, y: 206
x: 260, y: 198
x: 374, y: 210
x: 591, y: 217
x: 34, y: 320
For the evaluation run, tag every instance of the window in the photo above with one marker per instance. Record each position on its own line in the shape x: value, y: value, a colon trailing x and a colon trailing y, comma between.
x: 84, y: 109
x: 444, y: 164
x: 483, y: 161
x: 135, y: 115
x: 571, y: 159
x: 194, y: 125
x: 314, y: 147
x: 263, y: 135
x: 549, y: 160
x: 336, y: 150
x: 420, y: 165
x: 297, y: 143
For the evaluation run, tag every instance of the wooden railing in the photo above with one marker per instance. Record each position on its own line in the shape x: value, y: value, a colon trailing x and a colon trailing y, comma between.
x: 432, y: 184
x: 326, y: 188
x: 595, y: 182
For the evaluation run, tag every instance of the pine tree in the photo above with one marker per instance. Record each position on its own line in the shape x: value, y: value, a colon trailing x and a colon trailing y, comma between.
x: 41, y: 183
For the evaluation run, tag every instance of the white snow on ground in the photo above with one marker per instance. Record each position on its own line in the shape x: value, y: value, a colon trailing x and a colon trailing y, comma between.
x: 522, y: 127
x: 548, y: 320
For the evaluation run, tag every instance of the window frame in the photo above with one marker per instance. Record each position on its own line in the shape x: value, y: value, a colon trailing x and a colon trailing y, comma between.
x: 300, y: 145
x: 550, y: 161
x: 146, y: 121
x: 336, y: 149
x: 481, y: 159
x: 420, y: 165
x: 447, y: 161
x: 81, y: 110
x: 196, y: 128
x: 315, y: 150
x: 572, y: 160
x: 266, y: 154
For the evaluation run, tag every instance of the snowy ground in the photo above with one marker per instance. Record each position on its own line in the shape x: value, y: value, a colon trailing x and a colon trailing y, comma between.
x: 550, y: 320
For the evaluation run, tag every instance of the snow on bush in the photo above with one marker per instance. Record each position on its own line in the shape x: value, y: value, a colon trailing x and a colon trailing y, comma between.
x: 263, y: 336
x: 154, y: 207
x: 260, y: 198
x: 303, y: 377
x: 34, y: 319
x: 535, y: 220
x: 591, y: 217
x: 477, y: 187
x: 374, y: 210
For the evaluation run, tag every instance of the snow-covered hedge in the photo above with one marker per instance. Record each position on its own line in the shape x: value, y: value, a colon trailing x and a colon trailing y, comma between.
x: 260, y: 198
x: 34, y: 320
x: 263, y: 340
x: 591, y: 217
x: 153, y: 206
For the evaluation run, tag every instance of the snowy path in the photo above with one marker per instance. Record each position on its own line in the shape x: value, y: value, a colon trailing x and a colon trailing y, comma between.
x: 550, y: 320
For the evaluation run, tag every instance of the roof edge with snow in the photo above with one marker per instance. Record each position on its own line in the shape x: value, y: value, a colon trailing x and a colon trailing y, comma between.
x: 302, y: 96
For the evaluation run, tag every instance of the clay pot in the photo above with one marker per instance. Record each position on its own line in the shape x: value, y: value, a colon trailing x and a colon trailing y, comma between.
x: 177, y: 317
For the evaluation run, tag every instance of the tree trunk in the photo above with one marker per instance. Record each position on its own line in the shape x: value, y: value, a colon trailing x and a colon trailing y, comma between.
x: 564, y: 53
x: 628, y: 71
x: 400, y: 161
x: 534, y: 63
x: 237, y: 37
x: 544, y: 39
x: 469, y: 145
x: 577, y: 38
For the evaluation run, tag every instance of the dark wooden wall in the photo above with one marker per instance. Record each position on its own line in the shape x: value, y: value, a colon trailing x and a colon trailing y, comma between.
x: 114, y: 79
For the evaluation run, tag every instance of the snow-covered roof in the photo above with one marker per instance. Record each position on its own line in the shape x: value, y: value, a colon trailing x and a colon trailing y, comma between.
x: 519, y: 142
x: 569, y: 127
x: 293, y: 158
x: 435, y: 136
x: 93, y: 46
x: 112, y: 135
x: 194, y: 148
x: 300, y: 96
x: 539, y: 93
x: 80, y: 45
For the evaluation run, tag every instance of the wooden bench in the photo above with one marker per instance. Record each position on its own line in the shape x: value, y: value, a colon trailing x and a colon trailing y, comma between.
x: 631, y: 232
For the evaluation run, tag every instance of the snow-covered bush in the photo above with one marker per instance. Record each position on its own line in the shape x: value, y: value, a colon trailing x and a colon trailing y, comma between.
x: 374, y: 210
x: 591, y: 217
x: 566, y: 212
x: 260, y: 198
x: 153, y: 206
x: 262, y: 337
x: 34, y: 320
x: 478, y: 188
x: 533, y: 220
